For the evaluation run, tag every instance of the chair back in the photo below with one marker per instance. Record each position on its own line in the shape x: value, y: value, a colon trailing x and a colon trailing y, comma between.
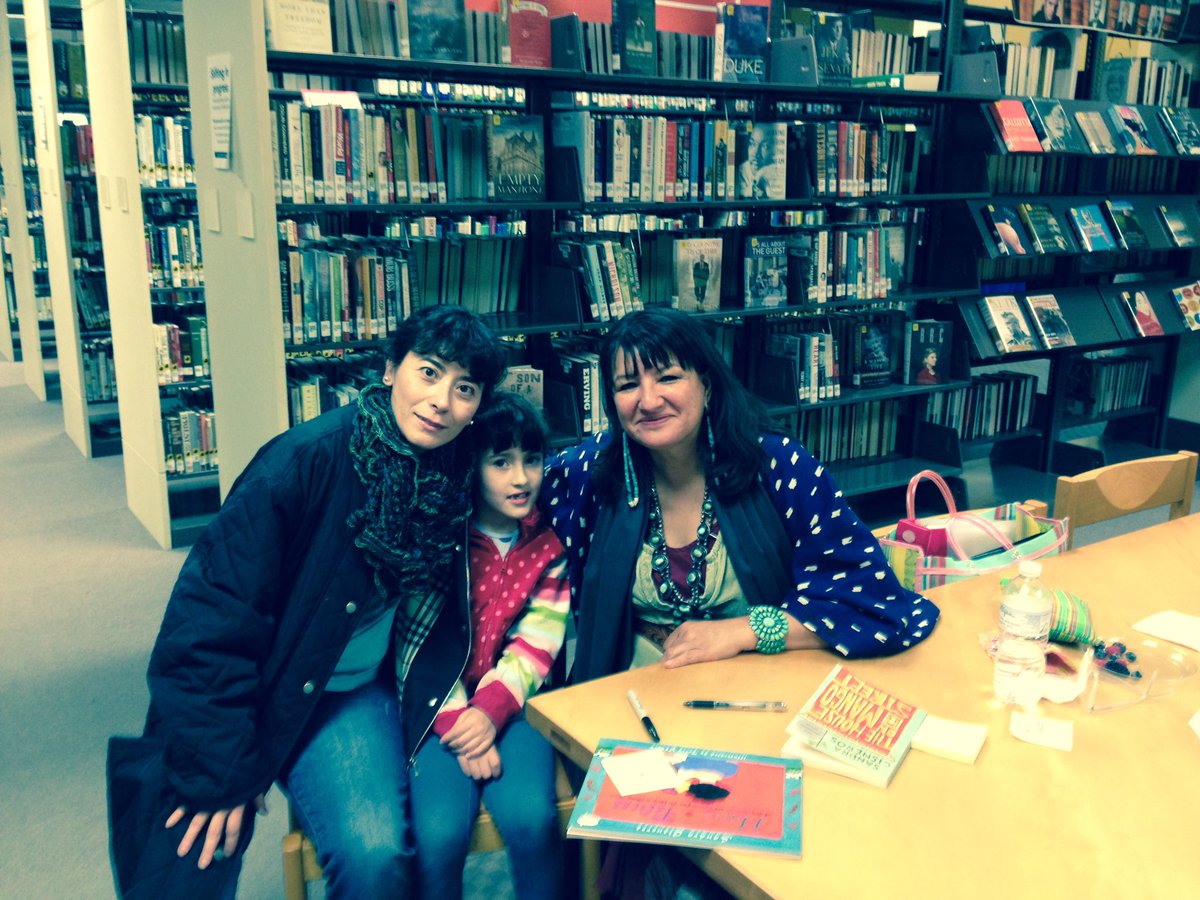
x: 1123, y: 488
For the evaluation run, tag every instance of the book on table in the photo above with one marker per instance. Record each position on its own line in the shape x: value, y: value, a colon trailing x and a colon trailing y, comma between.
x: 1006, y: 323
x: 853, y: 728
x: 1016, y: 131
x: 1048, y: 318
x: 690, y: 797
x: 1141, y: 313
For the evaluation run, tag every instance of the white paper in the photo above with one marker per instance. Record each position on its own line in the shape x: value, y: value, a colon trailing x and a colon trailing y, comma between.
x: 641, y: 772
x: 1176, y: 627
x: 1194, y: 721
x: 959, y: 741
x: 220, y: 102
x: 1053, y: 733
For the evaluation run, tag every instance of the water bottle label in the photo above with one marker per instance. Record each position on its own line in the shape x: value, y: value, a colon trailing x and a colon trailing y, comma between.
x: 1031, y: 624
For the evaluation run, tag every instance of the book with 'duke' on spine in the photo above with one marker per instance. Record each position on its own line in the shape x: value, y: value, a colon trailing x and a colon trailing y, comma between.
x: 854, y: 729
x: 1006, y: 323
x: 1048, y: 318
x: 687, y: 797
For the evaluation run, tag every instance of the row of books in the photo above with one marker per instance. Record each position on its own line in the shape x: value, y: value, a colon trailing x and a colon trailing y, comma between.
x: 91, y: 300
x: 99, y: 369
x: 1054, y: 126
x: 1098, y: 385
x: 190, y: 441
x: 848, y: 431
x: 332, y: 154
x: 627, y: 222
x: 164, y: 151
x: 1023, y: 228
x: 78, y: 152
x: 83, y: 218
x: 859, y: 159
x: 1028, y: 70
x: 181, y: 350
x: 1053, y: 174
x: 1147, y: 81
x: 577, y: 368
x: 856, y: 46
x: 812, y: 358
x: 173, y: 254
x: 157, y: 51
x: 994, y: 404
x: 846, y: 263
x: 70, y: 70
x: 607, y: 276
x: 319, y: 383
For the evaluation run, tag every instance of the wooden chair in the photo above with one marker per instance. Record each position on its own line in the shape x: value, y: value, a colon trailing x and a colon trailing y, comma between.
x: 300, y: 866
x: 1127, y: 487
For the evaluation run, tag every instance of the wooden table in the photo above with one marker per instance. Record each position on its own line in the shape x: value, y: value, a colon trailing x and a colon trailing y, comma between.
x: 1117, y: 815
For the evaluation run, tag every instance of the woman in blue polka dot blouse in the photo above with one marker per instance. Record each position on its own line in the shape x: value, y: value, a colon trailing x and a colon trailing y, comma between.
x: 694, y: 534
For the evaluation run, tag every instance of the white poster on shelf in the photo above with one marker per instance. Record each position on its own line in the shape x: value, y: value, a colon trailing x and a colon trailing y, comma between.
x: 220, y: 100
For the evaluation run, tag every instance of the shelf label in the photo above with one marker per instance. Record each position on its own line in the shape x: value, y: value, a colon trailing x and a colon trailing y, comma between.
x: 220, y: 98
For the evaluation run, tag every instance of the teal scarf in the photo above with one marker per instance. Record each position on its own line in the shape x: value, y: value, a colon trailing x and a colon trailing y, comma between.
x: 417, y: 504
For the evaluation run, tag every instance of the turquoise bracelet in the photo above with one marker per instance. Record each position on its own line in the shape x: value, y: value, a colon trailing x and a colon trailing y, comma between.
x: 770, y: 626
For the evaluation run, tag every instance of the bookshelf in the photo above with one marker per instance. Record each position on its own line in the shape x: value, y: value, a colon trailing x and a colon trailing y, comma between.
x: 71, y: 253
x: 171, y: 505
x: 29, y: 328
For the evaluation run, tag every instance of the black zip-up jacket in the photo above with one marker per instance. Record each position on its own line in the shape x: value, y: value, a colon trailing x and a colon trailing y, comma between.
x: 262, y: 610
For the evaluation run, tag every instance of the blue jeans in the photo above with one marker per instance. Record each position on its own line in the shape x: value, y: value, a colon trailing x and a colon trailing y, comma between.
x: 349, y: 785
x: 445, y: 803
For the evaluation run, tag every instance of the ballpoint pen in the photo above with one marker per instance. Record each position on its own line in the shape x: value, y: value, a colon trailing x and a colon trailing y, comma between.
x: 644, y: 716
x: 770, y: 705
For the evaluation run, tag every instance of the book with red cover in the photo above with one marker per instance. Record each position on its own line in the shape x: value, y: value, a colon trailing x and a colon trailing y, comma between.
x: 529, y: 34
x: 1141, y: 313
x: 853, y: 728
x: 716, y: 799
x: 1015, y: 128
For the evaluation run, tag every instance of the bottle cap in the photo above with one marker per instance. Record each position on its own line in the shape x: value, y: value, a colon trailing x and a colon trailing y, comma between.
x: 1030, y: 568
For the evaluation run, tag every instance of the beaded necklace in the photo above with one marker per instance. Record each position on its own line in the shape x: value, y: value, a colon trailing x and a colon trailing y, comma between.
x: 682, y: 607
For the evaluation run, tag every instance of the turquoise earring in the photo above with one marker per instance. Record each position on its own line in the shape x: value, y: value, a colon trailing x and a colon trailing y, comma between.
x: 631, y: 484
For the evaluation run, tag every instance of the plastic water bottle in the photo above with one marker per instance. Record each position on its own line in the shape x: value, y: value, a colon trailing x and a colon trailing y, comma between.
x: 1026, y: 609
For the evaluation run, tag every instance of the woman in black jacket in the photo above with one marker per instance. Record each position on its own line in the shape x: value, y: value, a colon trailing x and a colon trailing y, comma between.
x: 334, y: 573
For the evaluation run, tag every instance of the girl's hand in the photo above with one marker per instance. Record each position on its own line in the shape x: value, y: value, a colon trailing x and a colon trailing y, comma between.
x: 224, y: 829
x: 483, y: 767
x: 472, y: 735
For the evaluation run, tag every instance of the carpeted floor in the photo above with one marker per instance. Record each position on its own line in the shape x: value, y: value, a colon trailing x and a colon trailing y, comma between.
x: 82, y: 588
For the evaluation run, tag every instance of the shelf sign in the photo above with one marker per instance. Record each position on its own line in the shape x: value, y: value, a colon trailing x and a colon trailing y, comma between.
x: 220, y: 101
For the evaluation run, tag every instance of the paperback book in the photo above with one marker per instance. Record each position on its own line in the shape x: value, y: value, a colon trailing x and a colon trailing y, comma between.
x: 853, y: 728
x: 766, y: 272
x: 834, y: 55
x: 1187, y: 298
x: 1183, y: 130
x: 1044, y: 229
x: 1176, y: 226
x: 1055, y: 130
x: 1091, y: 229
x: 1141, y: 313
x: 741, y: 43
x: 927, y: 346
x: 688, y: 797
x: 1131, y: 131
x: 1008, y: 233
x: 516, y: 158
x: 1006, y: 323
x: 528, y: 34
x: 1126, y: 226
x: 1095, y: 132
x: 697, y: 265
x: 1051, y: 326
x: 1016, y: 131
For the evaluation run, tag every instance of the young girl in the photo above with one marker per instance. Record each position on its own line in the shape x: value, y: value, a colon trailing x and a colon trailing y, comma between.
x: 519, y: 605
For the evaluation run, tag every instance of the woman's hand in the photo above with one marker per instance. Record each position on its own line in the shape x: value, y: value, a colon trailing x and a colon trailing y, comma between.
x: 224, y: 823
x: 482, y: 767
x: 472, y: 735
x: 701, y: 641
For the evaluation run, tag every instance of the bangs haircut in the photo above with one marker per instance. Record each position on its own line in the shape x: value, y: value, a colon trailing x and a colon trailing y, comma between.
x: 509, y: 420
x: 456, y: 335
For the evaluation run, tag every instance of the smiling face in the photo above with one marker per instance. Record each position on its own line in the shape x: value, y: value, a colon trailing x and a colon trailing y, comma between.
x: 509, y: 482
x: 661, y: 409
x: 433, y: 399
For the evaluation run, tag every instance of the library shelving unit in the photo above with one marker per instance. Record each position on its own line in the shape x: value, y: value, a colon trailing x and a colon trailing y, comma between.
x: 1108, y: 395
x: 9, y: 322
x: 20, y: 248
x: 92, y: 427
x: 171, y: 505
x: 239, y: 216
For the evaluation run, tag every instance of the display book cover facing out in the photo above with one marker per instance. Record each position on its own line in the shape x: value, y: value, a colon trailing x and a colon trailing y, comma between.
x: 853, y: 728
x: 1006, y: 323
x: 689, y: 797
x: 1048, y: 318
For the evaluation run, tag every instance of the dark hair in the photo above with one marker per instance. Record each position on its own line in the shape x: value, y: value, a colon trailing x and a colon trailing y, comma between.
x: 655, y: 338
x: 455, y: 334
x: 508, y: 420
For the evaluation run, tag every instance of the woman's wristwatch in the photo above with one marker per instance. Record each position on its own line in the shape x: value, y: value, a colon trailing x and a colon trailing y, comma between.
x: 770, y: 626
